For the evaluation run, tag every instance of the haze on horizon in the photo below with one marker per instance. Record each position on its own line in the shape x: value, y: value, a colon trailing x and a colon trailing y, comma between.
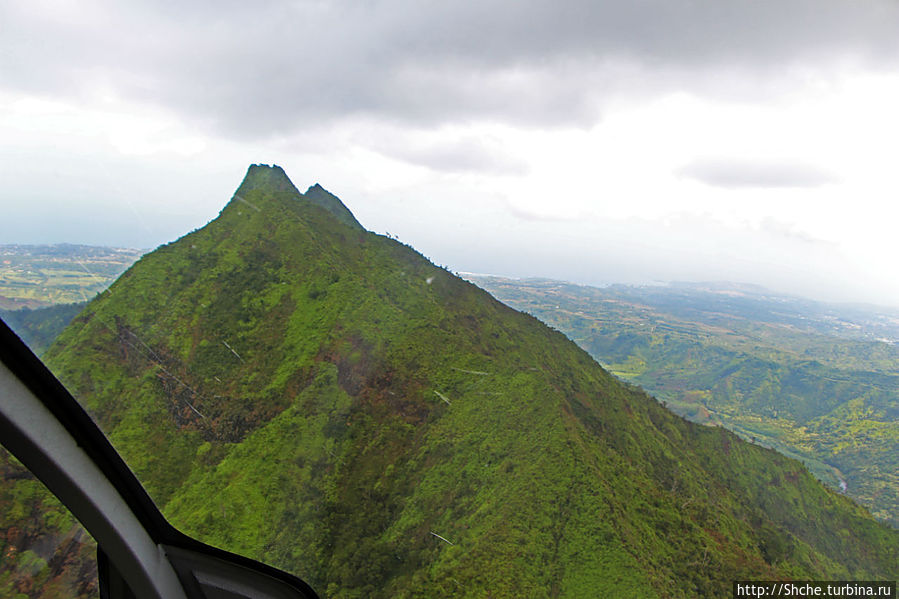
x: 596, y: 142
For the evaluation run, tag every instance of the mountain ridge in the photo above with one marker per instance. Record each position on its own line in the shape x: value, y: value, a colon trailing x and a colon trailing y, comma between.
x: 274, y: 179
x: 322, y: 398
x: 816, y: 381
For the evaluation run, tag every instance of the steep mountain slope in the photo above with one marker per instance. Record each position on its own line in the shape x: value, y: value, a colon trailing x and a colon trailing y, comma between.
x: 292, y: 387
x: 44, y: 552
x: 800, y: 376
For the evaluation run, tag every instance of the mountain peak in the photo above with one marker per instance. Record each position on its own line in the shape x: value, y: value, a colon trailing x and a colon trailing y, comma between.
x: 268, y: 179
x: 330, y: 202
x: 272, y: 178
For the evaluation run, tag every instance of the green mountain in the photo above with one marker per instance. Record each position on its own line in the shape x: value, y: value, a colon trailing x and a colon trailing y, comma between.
x: 318, y: 195
x: 294, y: 388
x: 819, y: 382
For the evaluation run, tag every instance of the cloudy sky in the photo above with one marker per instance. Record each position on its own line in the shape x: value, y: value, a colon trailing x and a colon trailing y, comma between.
x: 595, y: 141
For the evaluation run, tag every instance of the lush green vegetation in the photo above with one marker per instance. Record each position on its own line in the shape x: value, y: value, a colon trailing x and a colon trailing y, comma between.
x: 817, y: 382
x: 294, y: 388
x: 43, y: 551
x: 40, y: 326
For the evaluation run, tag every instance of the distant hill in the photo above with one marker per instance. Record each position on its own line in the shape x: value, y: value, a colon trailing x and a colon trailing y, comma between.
x: 294, y: 388
x: 816, y: 381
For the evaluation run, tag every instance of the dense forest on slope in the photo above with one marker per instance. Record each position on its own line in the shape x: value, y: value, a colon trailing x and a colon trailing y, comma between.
x: 816, y: 381
x: 44, y: 552
x: 294, y: 388
x: 39, y: 327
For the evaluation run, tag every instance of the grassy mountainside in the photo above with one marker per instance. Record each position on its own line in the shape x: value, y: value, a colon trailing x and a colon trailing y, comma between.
x: 815, y: 381
x: 292, y: 387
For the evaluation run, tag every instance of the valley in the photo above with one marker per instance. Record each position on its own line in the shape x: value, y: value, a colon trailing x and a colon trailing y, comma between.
x: 35, y: 276
x: 818, y: 382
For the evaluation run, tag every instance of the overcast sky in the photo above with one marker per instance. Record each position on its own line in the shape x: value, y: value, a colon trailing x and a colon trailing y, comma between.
x: 594, y: 141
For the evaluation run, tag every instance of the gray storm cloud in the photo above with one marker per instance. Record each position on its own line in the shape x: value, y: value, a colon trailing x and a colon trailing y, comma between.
x: 465, y: 154
x: 250, y: 70
x: 732, y: 174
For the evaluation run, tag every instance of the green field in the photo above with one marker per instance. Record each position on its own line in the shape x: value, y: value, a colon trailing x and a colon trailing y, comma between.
x: 34, y: 276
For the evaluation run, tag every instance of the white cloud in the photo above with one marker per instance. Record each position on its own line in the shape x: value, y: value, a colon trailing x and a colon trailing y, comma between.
x: 556, y: 137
